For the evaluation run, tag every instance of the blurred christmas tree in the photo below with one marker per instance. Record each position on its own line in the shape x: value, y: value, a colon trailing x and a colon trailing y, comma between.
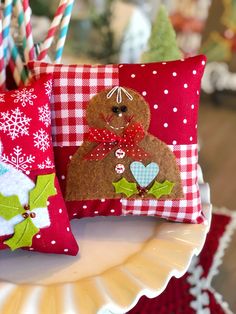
x: 219, y: 42
x: 104, y: 48
x: 162, y: 43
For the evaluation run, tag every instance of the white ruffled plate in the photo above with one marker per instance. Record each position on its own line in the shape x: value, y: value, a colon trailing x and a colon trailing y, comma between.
x: 120, y: 260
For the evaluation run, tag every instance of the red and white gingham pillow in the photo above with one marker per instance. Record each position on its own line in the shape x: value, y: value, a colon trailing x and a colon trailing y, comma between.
x: 172, y: 91
x: 33, y: 214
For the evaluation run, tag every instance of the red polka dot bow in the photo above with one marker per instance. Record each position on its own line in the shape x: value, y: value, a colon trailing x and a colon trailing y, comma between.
x: 107, y: 141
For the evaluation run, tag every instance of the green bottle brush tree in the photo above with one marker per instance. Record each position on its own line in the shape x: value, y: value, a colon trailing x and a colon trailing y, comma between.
x: 162, y: 44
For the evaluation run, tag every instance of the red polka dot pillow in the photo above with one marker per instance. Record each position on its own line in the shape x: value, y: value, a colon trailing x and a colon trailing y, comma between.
x: 125, y: 137
x: 33, y: 215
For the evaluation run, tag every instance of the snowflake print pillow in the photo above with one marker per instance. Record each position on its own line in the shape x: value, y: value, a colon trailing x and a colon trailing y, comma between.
x: 33, y: 215
x: 125, y: 137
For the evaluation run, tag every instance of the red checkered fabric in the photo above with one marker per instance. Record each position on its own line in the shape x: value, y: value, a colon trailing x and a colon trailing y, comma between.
x: 187, y: 209
x: 74, y: 85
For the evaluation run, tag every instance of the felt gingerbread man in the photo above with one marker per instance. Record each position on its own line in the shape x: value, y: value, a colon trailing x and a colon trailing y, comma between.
x: 119, y: 158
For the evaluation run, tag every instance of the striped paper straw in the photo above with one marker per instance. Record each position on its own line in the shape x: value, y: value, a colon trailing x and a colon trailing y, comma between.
x: 21, y: 22
x: 53, y: 28
x: 17, y: 66
x: 15, y: 72
x: 63, y: 31
x: 2, y: 63
x: 7, y: 13
x: 28, y: 28
x: 20, y: 18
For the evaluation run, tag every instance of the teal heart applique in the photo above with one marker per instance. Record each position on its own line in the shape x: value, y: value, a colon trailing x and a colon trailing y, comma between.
x: 144, y: 175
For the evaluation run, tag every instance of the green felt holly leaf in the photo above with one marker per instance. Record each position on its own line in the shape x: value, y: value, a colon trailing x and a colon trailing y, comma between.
x: 44, y: 188
x: 125, y: 187
x: 23, y: 235
x: 159, y: 189
x: 10, y: 207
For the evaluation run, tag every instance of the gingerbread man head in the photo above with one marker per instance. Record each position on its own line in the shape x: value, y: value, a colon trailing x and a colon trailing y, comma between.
x: 115, y: 109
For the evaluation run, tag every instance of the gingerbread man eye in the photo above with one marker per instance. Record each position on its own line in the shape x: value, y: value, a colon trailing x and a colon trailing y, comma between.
x: 123, y: 108
x: 115, y: 109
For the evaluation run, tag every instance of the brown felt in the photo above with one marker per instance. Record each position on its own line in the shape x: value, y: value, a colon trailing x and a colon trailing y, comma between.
x: 88, y: 180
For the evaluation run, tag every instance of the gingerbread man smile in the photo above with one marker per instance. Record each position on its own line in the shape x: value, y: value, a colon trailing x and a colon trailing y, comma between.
x: 121, y: 120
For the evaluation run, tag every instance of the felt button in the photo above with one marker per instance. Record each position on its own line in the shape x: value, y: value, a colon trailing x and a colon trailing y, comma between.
x: 119, y: 168
x: 119, y: 153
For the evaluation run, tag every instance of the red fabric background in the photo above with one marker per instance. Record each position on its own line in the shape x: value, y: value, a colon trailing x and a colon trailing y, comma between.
x: 30, y: 111
x: 59, y: 230
x: 153, y: 79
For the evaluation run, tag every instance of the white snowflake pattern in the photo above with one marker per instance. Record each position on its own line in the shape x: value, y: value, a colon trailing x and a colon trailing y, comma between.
x: 19, y: 160
x: 47, y: 164
x: 45, y: 115
x: 41, y: 140
x: 48, y: 87
x: 15, y: 124
x: 24, y: 96
x: 198, y: 283
x: 2, y: 98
